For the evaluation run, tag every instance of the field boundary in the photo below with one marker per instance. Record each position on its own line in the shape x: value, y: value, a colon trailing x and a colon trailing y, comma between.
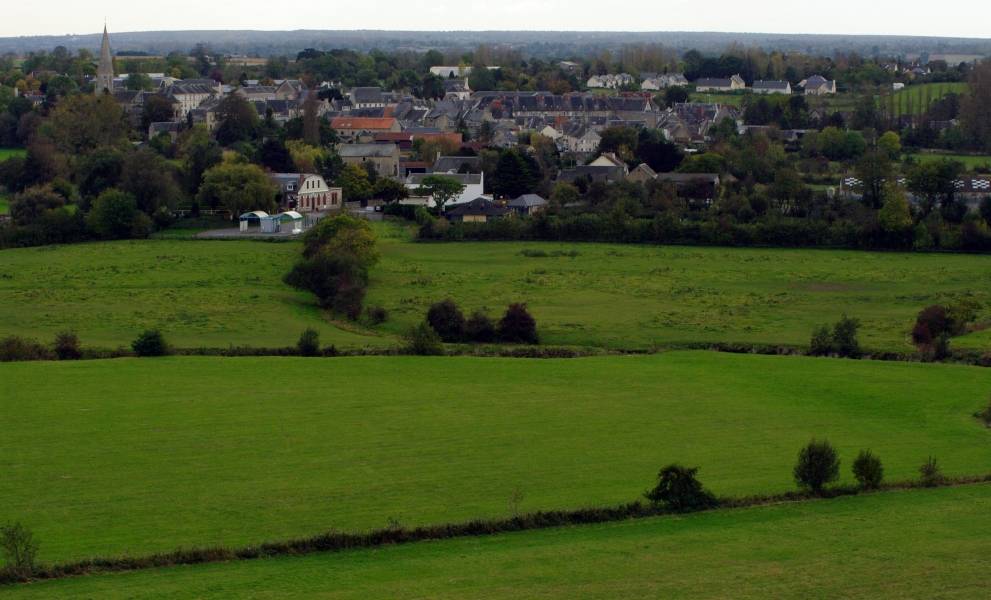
x: 333, y: 541
x: 973, y: 358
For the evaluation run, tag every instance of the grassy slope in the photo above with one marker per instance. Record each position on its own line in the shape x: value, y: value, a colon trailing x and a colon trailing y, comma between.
x: 198, y: 293
x: 131, y: 456
x: 917, y: 94
x: 919, y: 544
x: 633, y: 296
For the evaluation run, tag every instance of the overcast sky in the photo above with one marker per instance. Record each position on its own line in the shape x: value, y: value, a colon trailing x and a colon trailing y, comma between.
x: 965, y: 18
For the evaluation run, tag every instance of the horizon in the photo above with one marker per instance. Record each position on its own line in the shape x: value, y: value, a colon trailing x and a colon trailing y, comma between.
x: 776, y: 17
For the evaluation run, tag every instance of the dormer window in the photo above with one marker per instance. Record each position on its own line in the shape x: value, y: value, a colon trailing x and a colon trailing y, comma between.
x: 290, y: 187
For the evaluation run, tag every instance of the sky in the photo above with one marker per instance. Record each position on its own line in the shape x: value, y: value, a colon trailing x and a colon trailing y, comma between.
x: 951, y: 18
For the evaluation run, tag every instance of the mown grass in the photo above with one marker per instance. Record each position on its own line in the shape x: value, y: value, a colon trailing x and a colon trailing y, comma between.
x: 728, y: 99
x: 134, y: 456
x: 6, y: 153
x: 920, y: 544
x: 198, y: 293
x: 627, y: 296
x: 969, y: 160
x: 216, y: 293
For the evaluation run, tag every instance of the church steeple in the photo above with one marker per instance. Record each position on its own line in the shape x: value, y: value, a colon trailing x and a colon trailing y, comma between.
x: 105, y: 70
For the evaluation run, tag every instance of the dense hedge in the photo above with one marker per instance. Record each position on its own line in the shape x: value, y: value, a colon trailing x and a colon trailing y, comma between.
x: 778, y: 232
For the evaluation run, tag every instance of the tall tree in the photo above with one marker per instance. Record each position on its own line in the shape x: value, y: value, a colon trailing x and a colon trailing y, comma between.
x: 975, y: 108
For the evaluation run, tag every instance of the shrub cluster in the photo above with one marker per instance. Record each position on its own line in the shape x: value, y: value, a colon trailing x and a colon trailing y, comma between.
x: 840, y: 340
x: 679, y: 490
x: 936, y: 324
x: 309, y: 343
x: 151, y: 343
x: 517, y: 325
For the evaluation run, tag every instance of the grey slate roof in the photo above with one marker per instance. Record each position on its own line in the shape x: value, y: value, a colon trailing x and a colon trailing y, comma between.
x: 479, y: 207
x: 366, y: 150
x: 527, y: 201
x: 452, y: 164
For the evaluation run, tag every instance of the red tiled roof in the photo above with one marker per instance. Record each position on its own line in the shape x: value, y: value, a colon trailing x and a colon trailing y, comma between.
x: 362, y: 123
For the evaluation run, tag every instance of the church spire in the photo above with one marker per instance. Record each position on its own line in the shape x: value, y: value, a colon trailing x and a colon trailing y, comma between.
x: 105, y: 70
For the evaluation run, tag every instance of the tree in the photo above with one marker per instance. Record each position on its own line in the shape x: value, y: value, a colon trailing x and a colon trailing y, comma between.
x: 822, y: 341
x: 517, y: 326
x: 422, y: 340
x: 621, y: 141
x: 99, y: 170
x: 82, y: 123
x: 935, y: 182
x: 895, y: 216
x: 342, y: 234
x: 33, y: 203
x: 679, y: 490
x: 447, y: 320
x: 274, y: 156
x: 237, y: 188
x: 875, y: 171
x: 67, y: 346
x: 311, y: 120
x: 150, y: 343
x: 309, y: 342
x: 515, y: 174
x: 138, y: 82
x: 818, y: 465
x: 891, y: 144
x: 199, y: 152
x: 975, y: 107
x: 845, y: 337
x: 481, y: 78
x: 659, y: 154
x: 238, y: 120
x: 115, y: 215
x: 868, y: 471
x: 443, y: 189
x: 930, y: 475
x: 157, y: 109
x: 19, y: 550
x: 564, y: 193
x: 337, y: 280
x: 480, y: 329
x: 148, y: 177
x: 355, y: 184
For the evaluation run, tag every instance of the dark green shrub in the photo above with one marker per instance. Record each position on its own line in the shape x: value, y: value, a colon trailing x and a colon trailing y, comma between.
x: 67, y: 346
x: 818, y: 464
x: 447, y: 320
x: 377, y: 315
x: 930, y: 475
x: 985, y: 415
x: 480, y: 328
x: 19, y: 550
x: 845, y: 337
x: 14, y: 348
x: 517, y: 326
x: 309, y: 343
x: 338, y: 281
x: 150, y: 343
x: 822, y: 342
x: 424, y: 341
x: 868, y: 471
x: 678, y: 489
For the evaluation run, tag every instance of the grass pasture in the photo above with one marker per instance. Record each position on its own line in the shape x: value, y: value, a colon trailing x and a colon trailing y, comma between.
x: 198, y: 293
x: 6, y: 153
x: 216, y: 293
x: 970, y: 161
x: 920, y: 544
x: 132, y: 456
x: 628, y: 296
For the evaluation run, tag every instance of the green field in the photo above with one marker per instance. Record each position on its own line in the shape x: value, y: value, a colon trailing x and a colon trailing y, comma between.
x: 198, y: 293
x: 209, y: 293
x: 6, y: 153
x: 919, y: 544
x: 969, y: 160
x: 915, y: 95
x: 734, y: 99
x: 628, y: 296
x: 131, y: 456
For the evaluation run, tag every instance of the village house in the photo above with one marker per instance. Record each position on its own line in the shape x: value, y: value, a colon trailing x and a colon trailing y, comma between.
x: 383, y: 157
x: 771, y: 87
x: 610, y: 81
x: 306, y: 192
x: 733, y: 84
x: 817, y: 85
x: 660, y: 82
x: 187, y: 96
x: 479, y: 210
x: 607, y: 168
x: 527, y: 204
x: 363, y: 128
x: 474, y: 186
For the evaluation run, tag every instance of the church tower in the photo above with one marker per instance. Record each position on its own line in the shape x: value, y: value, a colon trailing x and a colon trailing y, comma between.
x: 105, y: 70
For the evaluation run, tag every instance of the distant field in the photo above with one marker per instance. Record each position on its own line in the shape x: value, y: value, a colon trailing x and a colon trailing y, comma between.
x: 717, y: 98
x: 630, y: 296
x: 913, y: 97
x: 918, y: 544
x: 139, y: 455
x: 198, y: 293
x: 6, y: 153
x: 207, y: 293
x: 970, y: 161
